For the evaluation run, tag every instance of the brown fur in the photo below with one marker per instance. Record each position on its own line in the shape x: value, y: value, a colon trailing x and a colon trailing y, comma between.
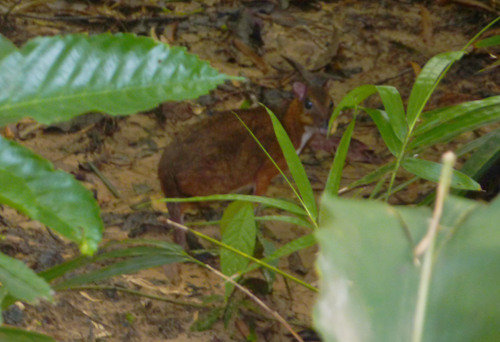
x: 218, y: 155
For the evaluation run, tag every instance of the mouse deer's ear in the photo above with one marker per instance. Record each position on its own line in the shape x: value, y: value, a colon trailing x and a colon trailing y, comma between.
x: 299, y: 90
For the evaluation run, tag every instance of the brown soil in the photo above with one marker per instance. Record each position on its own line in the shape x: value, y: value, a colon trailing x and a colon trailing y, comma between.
x: 378, y: 40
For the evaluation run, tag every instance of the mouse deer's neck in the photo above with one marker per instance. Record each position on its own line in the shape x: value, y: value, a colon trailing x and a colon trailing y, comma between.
x: 293, y: 124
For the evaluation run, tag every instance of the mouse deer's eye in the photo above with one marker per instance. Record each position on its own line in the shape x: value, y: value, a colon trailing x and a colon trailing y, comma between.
x: 308, y: 104
x: 331, y: 105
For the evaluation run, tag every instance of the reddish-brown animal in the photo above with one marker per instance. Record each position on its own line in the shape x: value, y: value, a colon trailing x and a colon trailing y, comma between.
x: 218, y: 155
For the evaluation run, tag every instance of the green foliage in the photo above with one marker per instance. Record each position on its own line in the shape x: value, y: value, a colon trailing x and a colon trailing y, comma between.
x: 30, y: 184
x: 9, y: 334
x: 54, y: 79
x: 21, y: 282
x: 370, y: 277
x: 239, y: 231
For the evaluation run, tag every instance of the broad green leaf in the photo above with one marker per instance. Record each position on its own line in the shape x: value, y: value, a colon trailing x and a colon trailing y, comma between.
x: 464, y: 296
x: 30, y: 185
x: 21, y: 282
x: 335, y: 176
x: 293, y: 246
x: 10, y: 334
x: 352, y: 99
x: 239, y: 231
x: 272, y: 202
x: 6, y: 47
x: 451, y: 129
x: 124, y: 267
x: 381, y: 119
x: 429, y: 170
x: 426, y: 82
x: 449, y: 113
x: 490, y: 41
x: 368, y: 280
x: 55, y: 78
x: 295, y: 166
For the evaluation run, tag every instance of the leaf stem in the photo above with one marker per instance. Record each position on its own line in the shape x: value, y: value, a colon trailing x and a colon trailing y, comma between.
x: 427, y: 245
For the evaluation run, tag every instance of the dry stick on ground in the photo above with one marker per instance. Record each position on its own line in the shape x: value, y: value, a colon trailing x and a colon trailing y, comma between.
x: 258, y: 301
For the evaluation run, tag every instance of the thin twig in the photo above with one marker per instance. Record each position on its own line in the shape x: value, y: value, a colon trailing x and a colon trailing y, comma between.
x: 258, y: 301
x: 106, y: 182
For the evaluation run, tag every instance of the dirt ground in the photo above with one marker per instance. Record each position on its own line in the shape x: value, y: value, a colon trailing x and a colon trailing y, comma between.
x: 377, y: 42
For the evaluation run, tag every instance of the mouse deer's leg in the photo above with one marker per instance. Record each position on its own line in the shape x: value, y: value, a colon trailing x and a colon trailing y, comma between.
x: 176, y: 215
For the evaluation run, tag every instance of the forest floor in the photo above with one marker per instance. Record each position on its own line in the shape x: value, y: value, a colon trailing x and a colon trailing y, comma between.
x: 355, y: 42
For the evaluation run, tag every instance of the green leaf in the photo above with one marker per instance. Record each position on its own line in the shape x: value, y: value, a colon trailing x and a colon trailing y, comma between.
x: 429, y: 170
x: 426, y: 82
x: 9, y: 334
x: 153, y: 248
x: 6, y: 47
x: 293, y: 246
x: 21, y: 282
x: 475, y: 144
x: 482, y: 160
x: 381, y: 119
x: 352, y: 99
x: 272, y: 202
x: 30, y: 185
x: 393, y: 105
x: 124, y: 267
x: 55, y: 78
x: 269, y: 248
x: 294, y: 164
x: 369, y: 280
x: 437, y: 118
x: 367, y: 275
x: 490, y: 41
x: 335, y: 176
x: 239, y: 231
x: 289, y: 219
x: 373, y: 176
x: 464, y: 296
x: 451, y: 129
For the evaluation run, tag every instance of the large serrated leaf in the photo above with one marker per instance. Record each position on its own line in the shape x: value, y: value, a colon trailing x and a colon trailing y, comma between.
x: 30, y: 185
x: 9, y: 334
x: 21, y: 282
x: 55, y: 78
x: 239, y: 231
